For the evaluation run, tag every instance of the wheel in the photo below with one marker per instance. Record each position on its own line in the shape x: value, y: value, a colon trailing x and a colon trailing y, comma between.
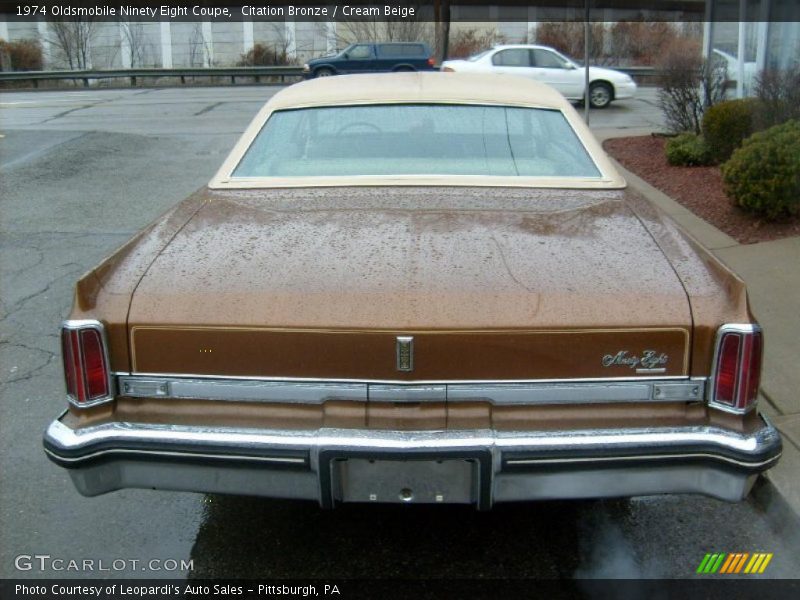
x: 600, y: 95
x: 323, y: 72
x: 403, y: 70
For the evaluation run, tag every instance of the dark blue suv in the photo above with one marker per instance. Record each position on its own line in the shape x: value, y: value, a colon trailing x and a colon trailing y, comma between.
x: 372, y: 58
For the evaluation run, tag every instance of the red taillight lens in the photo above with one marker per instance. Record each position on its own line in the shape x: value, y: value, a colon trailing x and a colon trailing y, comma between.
x: 738, y: 369
x: 728, y: 368
x: 85, y: 367
x: 431, y: 62
x: 68, y: 354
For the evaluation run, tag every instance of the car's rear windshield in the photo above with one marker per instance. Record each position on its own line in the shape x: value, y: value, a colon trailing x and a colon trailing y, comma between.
x: 416, y: 139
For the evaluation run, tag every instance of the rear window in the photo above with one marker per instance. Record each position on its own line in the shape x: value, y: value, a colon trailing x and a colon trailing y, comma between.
x: 417, y: 139
x: 402, y: 50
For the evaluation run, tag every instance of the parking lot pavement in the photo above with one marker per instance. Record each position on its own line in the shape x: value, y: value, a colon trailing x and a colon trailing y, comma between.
x: 78, y: 175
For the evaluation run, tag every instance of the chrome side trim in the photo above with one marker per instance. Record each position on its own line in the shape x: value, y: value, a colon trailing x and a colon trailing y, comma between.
x: 498, y: 393
x: 244, y: 391
x: 616, y: 459
x: 78, y: 324
x: 407, y: 393
x: 743, y: 328
x: 397, y: 381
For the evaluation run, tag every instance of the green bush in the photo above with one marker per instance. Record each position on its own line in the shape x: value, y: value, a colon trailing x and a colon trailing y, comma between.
x: 687, y: 150
x: 763, y: 176
x: 726, y: 125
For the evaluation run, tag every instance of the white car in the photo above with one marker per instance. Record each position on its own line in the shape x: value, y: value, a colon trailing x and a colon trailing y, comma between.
x: 732, y: 66
x: 549, y: 66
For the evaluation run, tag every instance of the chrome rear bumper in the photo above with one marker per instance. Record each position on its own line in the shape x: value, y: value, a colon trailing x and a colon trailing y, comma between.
x: 508, y: 466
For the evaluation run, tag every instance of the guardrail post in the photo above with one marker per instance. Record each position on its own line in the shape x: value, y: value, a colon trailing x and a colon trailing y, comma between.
x: 183, y: 80
x: 133, y: 81
x: 85, y: 82
x: 233, y: 79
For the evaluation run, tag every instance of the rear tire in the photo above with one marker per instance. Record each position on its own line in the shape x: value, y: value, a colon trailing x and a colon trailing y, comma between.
x: 600, y: 95
x: 403, y: 70
x: 323, y: 72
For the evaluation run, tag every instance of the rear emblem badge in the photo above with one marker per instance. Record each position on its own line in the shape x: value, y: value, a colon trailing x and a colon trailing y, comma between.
x: 405, y: 353
x: 650, y: 361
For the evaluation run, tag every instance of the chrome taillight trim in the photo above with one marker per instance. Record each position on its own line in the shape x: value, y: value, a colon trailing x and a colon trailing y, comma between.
x: 742, y: 329
x: 83, y: 324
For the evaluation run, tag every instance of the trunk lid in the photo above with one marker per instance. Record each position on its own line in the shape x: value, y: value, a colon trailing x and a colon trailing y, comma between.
x: 492, y: 284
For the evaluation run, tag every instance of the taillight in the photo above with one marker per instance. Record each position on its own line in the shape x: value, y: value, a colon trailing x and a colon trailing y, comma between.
x: 737, y: 367
x: 86, y: 369
x: 431, y: 62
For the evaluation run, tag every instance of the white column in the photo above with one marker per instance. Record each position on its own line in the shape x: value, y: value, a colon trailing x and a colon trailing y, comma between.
x: 762, y: 36
x: 330, y: 37
x: 248, y: 36
x: 124, y: 45
x: 530, y: 35
x: 208, y: 44
x: 740, y: 48
x: 708, y: 29
x: 290, y: 31
x: 41, y: 27
x: 166, y: 45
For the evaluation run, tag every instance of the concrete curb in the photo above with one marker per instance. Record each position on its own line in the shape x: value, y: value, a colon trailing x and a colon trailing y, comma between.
x: 784, y: 476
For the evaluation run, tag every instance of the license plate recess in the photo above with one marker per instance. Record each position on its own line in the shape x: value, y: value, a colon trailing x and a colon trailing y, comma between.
x: 406, y: 478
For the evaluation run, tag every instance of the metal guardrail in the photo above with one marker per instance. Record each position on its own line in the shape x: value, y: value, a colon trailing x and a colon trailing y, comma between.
x: 643, y: 75
x: 135, y: 74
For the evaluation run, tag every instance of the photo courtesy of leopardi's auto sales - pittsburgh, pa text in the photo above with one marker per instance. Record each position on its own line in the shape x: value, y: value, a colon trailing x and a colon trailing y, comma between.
x: 139, y: 591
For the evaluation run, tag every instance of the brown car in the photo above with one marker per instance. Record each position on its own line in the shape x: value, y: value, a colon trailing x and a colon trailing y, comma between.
x: 414, y: 288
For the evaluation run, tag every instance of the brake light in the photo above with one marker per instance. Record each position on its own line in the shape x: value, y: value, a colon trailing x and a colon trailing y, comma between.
x: 431, y: 62
x: 737, y: 370
x: 86, y: 369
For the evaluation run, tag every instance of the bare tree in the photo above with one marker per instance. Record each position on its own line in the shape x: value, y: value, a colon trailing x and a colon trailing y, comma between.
x: 135, y: 42
x: 779, y: 94
x: 689, y: 86
x: 73, y: 40
x: 199, y: 52
x: 568, y: 37
x: 382, y: 29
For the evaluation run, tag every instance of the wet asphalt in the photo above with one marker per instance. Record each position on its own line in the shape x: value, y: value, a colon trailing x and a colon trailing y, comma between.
x: 80, y: 172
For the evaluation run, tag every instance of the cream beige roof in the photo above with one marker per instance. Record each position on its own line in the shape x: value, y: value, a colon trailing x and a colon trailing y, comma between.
x: 419, y: 87
x: 390, y: 88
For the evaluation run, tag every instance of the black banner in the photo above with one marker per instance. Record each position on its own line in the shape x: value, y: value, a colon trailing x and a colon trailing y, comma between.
x: 458, y: 11
x: 731, y: 588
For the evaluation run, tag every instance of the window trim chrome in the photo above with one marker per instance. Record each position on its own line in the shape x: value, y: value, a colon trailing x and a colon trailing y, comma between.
x: 78, y: 325
x: 743, y: 329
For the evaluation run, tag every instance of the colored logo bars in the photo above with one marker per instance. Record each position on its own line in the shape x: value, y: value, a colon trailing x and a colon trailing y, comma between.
x: 734, y: 563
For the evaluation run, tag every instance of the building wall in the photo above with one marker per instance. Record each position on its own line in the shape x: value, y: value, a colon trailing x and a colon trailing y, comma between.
x: 223, y: 43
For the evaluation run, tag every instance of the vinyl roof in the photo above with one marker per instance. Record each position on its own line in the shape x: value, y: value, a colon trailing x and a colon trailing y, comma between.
x: 421, y: 87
